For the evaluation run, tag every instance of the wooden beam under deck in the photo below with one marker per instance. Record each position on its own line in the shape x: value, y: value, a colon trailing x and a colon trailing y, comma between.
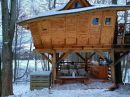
x: 122, y: 49
x: 72, y: 49
x: 46, y: 57
x: 85, y: 49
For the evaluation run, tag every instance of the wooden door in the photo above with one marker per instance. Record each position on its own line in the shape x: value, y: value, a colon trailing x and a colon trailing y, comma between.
x: 82, y: 29
x: 71, y: 21
x: 58, y: 31
x: 108, y: 27
x: 95, y: 28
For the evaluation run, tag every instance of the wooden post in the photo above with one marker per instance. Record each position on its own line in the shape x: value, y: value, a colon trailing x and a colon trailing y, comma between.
x: 116, y: 67
x: 112, y: 66
x: 118, y: 72
x: 54, y: 67
x: 57, y: 64
x: 86, y: 61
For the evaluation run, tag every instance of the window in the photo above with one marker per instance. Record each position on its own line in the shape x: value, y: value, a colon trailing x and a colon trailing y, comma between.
x: 77, y: 5
x: 95, y: 21
x: 107, y: 21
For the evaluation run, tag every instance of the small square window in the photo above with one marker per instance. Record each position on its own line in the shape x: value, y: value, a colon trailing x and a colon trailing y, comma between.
x: 108, y: 21
x: 95, y: 21
x: 77, y: 5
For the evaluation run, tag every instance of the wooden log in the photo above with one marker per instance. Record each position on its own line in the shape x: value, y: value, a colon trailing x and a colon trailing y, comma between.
x: 54, y: 68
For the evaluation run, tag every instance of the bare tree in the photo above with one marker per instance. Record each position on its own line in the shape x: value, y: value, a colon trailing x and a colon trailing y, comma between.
x: 54, y: 5
x: 0, y: 77
x: 8, y: 29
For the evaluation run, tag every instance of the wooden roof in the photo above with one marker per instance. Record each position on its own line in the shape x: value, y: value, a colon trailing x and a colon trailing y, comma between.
x: 58, y: 12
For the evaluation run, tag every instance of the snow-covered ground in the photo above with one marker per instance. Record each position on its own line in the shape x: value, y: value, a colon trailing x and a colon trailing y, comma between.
x: 72, y: 90
x: 93, y: 89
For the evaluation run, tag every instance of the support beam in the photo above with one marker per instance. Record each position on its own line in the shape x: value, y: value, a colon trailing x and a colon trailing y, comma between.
x: 116, y: 67
x: 112, y: 66
x: 118, y: 72
x: 46, y: 57
x: 79, y: 55
x: 92, y: 55
x: 121, y: 58
x: 63, y: 56
x: 100, y: 54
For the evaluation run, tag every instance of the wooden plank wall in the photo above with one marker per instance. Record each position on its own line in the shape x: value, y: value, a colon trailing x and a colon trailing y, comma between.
x: 74, y: 30
x: 107, y: 30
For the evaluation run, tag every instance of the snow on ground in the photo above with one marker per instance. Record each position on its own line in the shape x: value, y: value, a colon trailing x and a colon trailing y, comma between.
x: 21, y: 88
x: 71, y: 90
x: 79, y: 86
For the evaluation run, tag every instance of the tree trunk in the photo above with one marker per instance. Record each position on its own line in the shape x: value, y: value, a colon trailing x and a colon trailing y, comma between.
x: 15, y: 56
x: 0, y: 77
x: 54, y: 6
x: 49, y: 5
x: 8, y: 29
x: 7, y: 70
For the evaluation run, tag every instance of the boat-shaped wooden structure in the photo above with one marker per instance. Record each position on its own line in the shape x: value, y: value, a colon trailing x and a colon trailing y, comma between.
x: 80, y: 27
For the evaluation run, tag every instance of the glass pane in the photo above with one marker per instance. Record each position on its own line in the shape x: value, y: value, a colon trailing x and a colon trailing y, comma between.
x: 108, y: 21
x: 95, y: 21
x: 77, y: 5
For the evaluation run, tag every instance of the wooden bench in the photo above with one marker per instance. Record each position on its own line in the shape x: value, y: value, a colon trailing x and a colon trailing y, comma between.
x: 70, y: 79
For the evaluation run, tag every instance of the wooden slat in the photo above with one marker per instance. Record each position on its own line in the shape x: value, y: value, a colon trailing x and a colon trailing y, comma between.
x: 36, y: 35
x: 107, y: 31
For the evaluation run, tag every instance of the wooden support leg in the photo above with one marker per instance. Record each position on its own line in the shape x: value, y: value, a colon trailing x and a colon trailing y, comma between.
x: 54, y: 68
x: 57, y: 65
x: 118, y: 72
x: 112, y: 66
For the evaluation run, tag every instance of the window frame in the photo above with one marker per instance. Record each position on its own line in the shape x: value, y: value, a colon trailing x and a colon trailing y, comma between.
x: 98, y: 21
x: 75, y: 5
x: 105, y: 21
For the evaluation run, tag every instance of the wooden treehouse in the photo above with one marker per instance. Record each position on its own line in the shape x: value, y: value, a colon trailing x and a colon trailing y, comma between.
x: 81, y: 27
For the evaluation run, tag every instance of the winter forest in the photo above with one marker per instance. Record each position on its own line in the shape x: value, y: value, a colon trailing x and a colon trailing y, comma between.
x: 24, y: 71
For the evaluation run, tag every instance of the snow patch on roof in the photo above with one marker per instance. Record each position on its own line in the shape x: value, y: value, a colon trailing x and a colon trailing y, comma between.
x: 57, y: 11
